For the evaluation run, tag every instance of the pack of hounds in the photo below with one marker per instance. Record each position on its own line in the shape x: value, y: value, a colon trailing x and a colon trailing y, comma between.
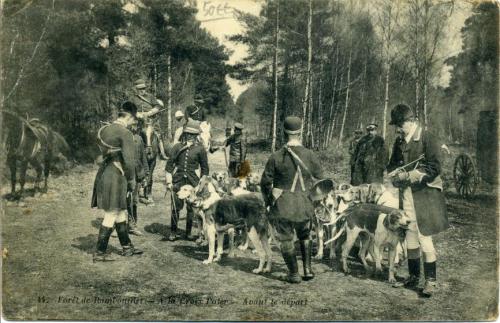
x: 367, y: 216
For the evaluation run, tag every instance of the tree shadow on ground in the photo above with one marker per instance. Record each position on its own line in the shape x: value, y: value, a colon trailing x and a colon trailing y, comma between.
x: 87, y: 244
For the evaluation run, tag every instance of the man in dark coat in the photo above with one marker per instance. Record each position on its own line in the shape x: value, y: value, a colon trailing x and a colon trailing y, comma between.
x: 148, y: 109
x: 186, y: 157
x: 141, y: 173
x: 287, y: 178
x: 115, y: 180
x: 421, y: 192
x: 237, y: 150
x: 370, y: 158
x: 358, y: 133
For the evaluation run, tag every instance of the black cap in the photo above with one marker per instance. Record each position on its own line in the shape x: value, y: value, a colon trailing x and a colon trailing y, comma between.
x: 400, y: 113
x: 372, y: 126
x: 129, y: 107
x: 293, y: 125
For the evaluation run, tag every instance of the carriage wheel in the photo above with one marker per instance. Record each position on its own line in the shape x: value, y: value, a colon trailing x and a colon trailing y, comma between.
x: 465, y: 177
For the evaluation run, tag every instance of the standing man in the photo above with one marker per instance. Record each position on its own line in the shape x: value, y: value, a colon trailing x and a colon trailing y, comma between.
x: 181, y: 121
x: 352, y: 153
x: 371, y: 158
x: 181, y: 168
x: 421, y: 193
x: 148, y: 109
x: 141, y: 173
x: 115, y: 180
x: 237, y: 150
x: 287, y: 178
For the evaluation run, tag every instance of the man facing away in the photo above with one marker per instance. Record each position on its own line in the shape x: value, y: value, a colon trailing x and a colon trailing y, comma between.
x: 288, y: 175
x: 115, y: 179
x: 237, y: 150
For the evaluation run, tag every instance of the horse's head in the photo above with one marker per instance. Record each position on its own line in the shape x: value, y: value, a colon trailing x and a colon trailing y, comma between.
x: 148, y: 135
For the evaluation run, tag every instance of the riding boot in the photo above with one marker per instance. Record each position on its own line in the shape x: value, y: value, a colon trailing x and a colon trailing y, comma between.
x: 189, y: 226
x: 174, y: 219
x: 102, y: 244
x: 128, y: 247
x: 430, y: 279
x: 133, y: 222
x: 290, y: 258
x: 414, y: 271
x: 163, y: 155
x: 306, y: 251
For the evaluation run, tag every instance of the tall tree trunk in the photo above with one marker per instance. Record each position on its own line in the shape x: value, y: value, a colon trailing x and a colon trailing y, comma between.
x: 308, y: 77
x: 275, y: 76
x: 310, y: 133
x: 169, y: 98
x: 320, y: 130
x: 346, y: 97
x: 386, y: 97
x: 331, y: 120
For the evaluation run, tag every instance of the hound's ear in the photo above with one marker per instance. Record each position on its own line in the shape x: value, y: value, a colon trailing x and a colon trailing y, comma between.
x: 394, y: 217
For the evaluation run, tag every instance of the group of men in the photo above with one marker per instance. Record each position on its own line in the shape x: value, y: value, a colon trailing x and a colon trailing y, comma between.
x: 289, y: 174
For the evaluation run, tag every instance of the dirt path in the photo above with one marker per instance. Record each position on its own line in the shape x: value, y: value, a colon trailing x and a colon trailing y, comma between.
x: 48, y: 271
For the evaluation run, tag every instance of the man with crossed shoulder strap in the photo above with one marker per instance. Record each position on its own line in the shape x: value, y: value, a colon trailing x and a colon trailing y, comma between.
x: 115, y: 179
x: 287, y: 178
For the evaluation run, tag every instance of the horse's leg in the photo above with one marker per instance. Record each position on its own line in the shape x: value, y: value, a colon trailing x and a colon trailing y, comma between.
x: 46, y: 172
x: 22, y: 175
x: 12, y: 162
x: 39, y: 169
x: 152, y: 166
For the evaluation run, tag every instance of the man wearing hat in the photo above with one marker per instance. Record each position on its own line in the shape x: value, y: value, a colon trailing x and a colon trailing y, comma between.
x: 370, y: 158
x: 115, y: 179
x: 181, y: 121
x: 186, y: 157
x: 421, y: 193
x: 237, y: 150
x: 288, y: 176
x: 148, y: 108
x: 358, y: 133
x: 141, y: 174
x: 196, y: 112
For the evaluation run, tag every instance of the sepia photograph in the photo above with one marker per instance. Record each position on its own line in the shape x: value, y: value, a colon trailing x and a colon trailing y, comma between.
x: 249, y: 160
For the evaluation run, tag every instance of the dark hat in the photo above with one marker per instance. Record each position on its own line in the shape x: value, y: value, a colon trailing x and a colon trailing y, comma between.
x: 293, y: 125
x: 372, y: 126
x: 358, y: 131
x: 321, y: 188
x: 238, y: 125
x: 400, y: 113
x: 192, y: 126
x: 129, y: 107
x: 140, y: 84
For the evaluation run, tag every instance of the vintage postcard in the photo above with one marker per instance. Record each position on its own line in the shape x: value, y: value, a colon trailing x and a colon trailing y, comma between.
x: 249, y: 160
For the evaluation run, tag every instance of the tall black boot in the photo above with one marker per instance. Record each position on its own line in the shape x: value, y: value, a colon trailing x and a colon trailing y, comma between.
x: 414, y: 271
x: 430, y: 279
x: 174, y: 219
x: 102, y: 244
x: 128, y: 247
x: 288, y: 253
x: 306, y: 251
x: 189, y: 227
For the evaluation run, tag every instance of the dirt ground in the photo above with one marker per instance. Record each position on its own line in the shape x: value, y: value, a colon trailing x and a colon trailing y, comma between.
x: 48, y: 273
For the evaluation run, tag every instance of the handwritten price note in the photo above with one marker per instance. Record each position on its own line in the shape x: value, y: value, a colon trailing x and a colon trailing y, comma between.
x: 216, y: 10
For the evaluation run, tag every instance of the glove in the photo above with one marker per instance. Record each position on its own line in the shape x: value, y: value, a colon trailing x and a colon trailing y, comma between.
x: 415, y: 176
x: 131, y: 185
x: 401, y: 179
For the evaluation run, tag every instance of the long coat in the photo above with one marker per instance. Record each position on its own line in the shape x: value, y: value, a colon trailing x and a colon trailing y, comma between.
x: 370, y: 159
x: 118, y: 168
x: 142, y: 167
x: 428, y: 197
x: 279, y: 173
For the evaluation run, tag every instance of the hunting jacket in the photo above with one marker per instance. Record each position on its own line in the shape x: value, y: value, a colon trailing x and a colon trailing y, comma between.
x: 117, y: 145
x: 428, y: 198
x: 279, y: 173
x: 237, y: 148
x: 185, y: 160
x: 370, y: 160
x: 142, y: 167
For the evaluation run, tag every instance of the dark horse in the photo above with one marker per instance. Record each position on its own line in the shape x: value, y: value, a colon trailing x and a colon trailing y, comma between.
x: 152, y: 145
x: 31, y: 142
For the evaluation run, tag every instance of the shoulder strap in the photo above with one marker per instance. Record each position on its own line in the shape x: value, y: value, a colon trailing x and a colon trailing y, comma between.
x: 299, y: 161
